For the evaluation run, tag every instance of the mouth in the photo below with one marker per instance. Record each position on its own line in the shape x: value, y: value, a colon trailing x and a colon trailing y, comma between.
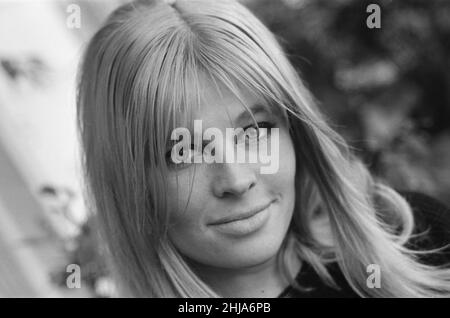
x: 243, y: 223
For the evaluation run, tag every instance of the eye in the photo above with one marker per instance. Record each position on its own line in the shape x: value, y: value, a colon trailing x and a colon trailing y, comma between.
x: 189, y: 157
x: 259, y: 131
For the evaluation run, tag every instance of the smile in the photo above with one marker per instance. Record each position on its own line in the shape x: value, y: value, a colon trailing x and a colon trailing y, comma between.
x: 243, y: 223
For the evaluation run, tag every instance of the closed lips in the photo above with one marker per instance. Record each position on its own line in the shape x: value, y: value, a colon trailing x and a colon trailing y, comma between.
x: 241, y: 216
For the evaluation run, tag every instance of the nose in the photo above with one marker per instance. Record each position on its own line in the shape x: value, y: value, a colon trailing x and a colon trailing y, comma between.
x: 233, y: 179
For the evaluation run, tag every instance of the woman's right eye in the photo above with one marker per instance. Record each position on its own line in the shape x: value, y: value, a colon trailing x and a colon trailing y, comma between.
x: 173, y: 159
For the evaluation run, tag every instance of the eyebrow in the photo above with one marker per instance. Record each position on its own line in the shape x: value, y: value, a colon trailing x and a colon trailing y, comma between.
x: 255, y: 109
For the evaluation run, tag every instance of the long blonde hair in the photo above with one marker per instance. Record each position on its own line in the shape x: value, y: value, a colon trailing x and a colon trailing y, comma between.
x: 139, y: 77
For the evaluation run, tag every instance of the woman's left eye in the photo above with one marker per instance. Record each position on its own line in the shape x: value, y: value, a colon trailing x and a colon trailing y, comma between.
x: 258, y: 131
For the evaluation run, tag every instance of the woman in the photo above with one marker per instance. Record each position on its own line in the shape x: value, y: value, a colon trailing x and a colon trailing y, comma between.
x: 317, y: 226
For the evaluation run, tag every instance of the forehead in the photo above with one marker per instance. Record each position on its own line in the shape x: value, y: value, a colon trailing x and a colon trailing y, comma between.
x: 219, y: 106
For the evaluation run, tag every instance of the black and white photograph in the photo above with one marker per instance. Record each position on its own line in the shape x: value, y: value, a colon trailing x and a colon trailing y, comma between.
x: 247, y: 150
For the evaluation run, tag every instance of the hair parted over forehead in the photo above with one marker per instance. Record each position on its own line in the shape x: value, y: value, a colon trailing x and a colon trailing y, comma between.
x: 141, y: 76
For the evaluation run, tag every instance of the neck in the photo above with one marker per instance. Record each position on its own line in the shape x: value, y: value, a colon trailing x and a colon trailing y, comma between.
x: 261, y: 280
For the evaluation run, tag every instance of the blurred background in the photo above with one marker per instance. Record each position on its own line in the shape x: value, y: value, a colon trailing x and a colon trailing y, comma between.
x: 386, y: 90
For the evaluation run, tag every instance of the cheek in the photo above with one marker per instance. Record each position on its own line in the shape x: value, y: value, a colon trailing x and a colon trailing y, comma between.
x: 186, y: 186
x: 184, y: 230
x: 283, y: 182
x: 287, y: 161
x: 185, y: 219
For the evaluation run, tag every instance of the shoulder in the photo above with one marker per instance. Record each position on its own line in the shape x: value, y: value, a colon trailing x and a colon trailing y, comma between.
x: 432, y: 226
x: 431, y: 231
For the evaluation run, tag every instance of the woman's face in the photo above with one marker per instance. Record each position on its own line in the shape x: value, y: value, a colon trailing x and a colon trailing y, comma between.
x: 236, y: 217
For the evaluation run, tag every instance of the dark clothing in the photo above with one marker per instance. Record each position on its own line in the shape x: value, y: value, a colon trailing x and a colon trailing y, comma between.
x: 429, y: 214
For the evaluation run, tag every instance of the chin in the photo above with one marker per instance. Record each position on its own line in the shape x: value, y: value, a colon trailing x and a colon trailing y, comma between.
x: 251, y: 253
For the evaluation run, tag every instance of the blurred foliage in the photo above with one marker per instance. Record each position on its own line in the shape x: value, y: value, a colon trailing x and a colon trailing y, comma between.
x: 387, y: 89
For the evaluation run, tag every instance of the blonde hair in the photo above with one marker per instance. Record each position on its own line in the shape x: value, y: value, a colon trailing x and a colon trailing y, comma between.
x: 139, y: 77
